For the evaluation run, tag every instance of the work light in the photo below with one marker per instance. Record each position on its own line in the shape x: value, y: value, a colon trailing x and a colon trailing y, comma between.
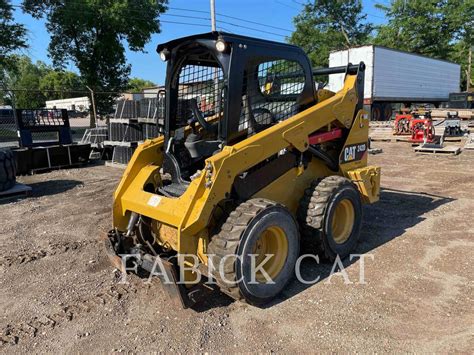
x: 221, y: 45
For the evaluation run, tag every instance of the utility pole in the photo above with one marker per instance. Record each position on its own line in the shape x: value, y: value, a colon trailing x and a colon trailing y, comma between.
x: 216, y: 75
x: 469, y: 65
x: 213, y: 15
x: 93, y: 119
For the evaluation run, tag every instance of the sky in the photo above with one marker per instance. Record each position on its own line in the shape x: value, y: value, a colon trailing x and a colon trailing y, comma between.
x: 147, y: 65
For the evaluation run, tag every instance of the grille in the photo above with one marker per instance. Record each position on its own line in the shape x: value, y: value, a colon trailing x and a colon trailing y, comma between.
x: 270, y: 93
x: 41, y: 119
x: 43, y: 127
x: 150, y: 108
x: 204, y: 85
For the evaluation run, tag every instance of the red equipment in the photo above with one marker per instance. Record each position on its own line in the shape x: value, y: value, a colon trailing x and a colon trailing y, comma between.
x: 417, y: 124
x: 422, y: 130
x: 402, y: 124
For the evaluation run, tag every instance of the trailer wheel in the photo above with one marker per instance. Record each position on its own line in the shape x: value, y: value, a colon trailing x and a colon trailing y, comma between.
x: 387, y: 111
x: 7, y: 170
x: 256, y: 227
x: 330, y: 216
x: 376, y: 112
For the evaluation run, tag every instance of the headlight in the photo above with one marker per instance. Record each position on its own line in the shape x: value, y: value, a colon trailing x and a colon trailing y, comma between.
x: 221, y: 45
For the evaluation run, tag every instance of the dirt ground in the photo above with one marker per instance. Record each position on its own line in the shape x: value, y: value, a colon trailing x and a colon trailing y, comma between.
x: 59, y: 293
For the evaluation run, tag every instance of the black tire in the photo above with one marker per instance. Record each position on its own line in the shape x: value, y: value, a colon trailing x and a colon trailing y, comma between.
x: 7, y: 170
x: 238, y: 237
x: 316, y: 212
x: 376, y: 112
x: 387, y: 112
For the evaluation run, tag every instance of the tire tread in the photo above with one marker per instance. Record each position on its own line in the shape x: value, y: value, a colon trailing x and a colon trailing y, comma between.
x: 7, y: 170
x: 312, y: 209
x: 227, y: 241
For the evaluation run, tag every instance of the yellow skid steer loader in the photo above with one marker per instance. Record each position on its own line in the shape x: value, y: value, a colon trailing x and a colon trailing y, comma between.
x: 254, y: 162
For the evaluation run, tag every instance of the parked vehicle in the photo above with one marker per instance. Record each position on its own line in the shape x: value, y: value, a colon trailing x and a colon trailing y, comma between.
x: 6, y: 116
x: 274, y: 168
x: 461, y: 100
x: 394, y: 76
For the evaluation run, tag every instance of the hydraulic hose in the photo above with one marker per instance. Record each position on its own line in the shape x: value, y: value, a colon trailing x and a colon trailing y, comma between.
x: 324, y: 157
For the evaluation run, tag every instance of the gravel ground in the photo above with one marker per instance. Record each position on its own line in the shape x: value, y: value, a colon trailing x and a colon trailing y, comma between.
x: 59, y: 293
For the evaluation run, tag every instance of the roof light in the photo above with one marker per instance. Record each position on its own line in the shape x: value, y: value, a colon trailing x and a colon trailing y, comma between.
x: 164, y: 55
x: 221, y: 45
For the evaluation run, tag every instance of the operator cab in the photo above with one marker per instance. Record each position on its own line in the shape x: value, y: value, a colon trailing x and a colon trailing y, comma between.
x: 220, y: 89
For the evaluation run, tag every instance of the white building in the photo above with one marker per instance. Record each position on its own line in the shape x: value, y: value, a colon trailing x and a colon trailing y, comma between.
x: 80, y: 104
x: 130, y: 96
x: 152, y: 92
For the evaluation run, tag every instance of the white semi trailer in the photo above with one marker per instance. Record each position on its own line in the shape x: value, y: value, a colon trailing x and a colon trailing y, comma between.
x: 394, y: 76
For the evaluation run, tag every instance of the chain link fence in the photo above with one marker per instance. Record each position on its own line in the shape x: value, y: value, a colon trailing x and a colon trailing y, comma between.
x: 40, y: 122
x: 8, y: 129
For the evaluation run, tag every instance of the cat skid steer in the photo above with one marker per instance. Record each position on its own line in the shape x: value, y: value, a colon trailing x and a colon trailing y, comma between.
x: 254, y: 164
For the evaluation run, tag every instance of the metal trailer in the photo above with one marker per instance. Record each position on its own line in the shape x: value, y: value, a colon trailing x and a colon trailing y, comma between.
x: 394, y: 76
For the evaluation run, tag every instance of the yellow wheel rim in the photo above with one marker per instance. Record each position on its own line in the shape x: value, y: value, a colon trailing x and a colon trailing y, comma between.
x: 272, y: 241
x: 343, y: 221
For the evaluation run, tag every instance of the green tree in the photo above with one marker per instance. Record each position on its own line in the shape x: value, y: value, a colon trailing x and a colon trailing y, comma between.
x: 12, y: 38
x: 327, y: 25
x: 460, y: 54
x: 34, y: 83
x: 137, y: 84
x: 25, y: 79
x: 436, y: 28
x: 460, y: 15
x: 417, y: 26
x: 59, y: 84
x: 92, y: 34
x: 12, y: 35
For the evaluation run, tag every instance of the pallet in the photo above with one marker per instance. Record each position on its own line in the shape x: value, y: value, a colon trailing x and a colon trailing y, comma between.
x: 19, y: 190
x: 123, y: 120
x: 382, y: 124
x: 437, y: 149
x: 147, y: 120
x: 381, y: 132
x: 452, y: 138
x: 392, y: 139
x: 115, y: 165
x: 470, y: 142
x: 122, y: 143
